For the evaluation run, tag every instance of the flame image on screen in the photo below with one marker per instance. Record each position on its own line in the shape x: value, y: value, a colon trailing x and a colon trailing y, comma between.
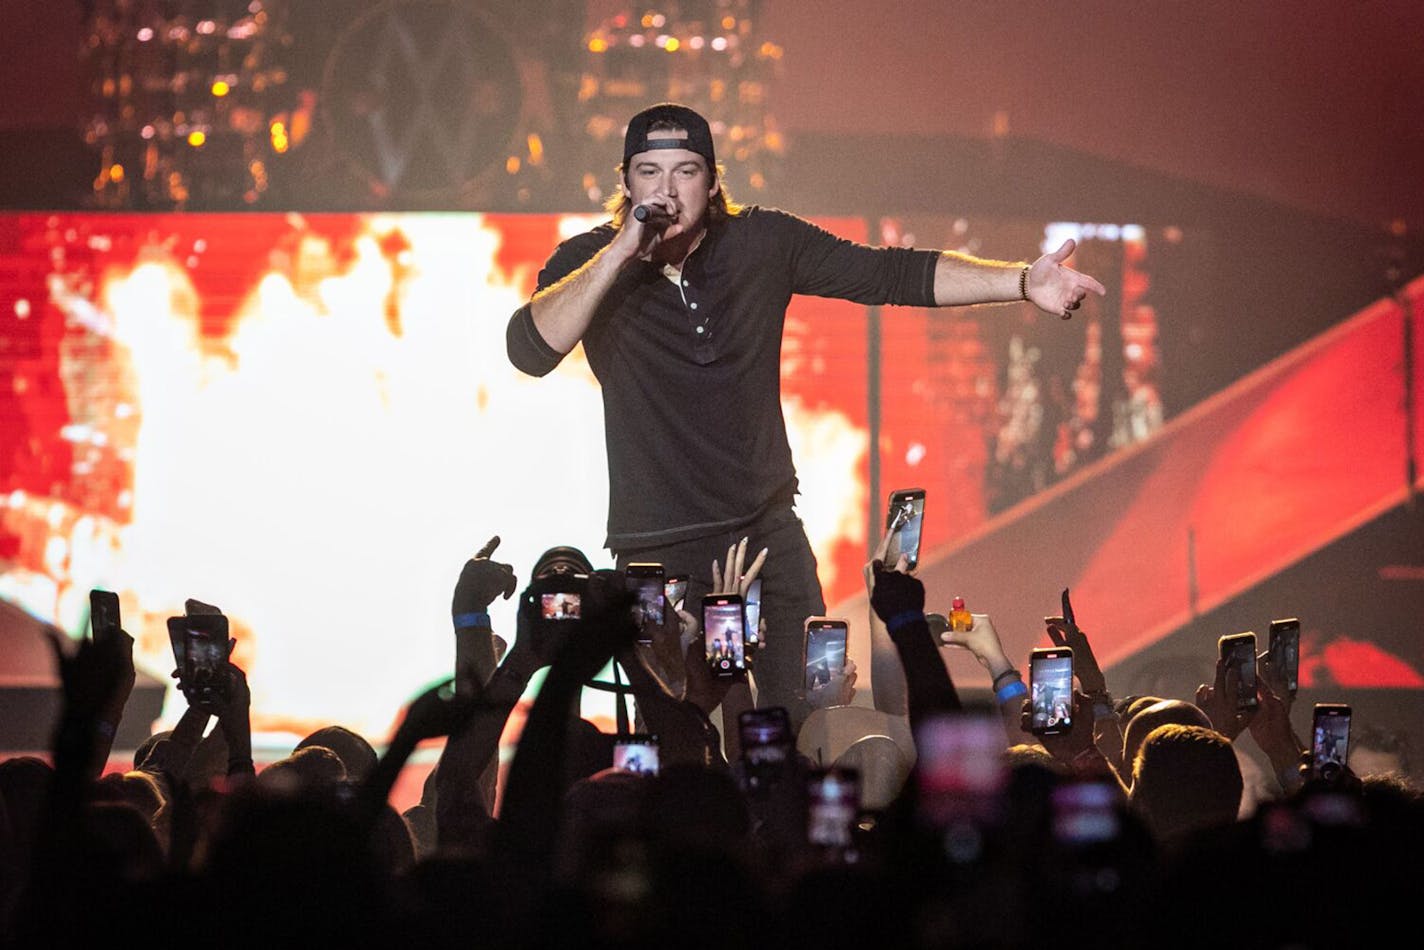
x: 311, y: 422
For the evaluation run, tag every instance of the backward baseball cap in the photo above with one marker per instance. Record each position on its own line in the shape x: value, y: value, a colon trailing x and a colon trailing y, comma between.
x: 699, y: 135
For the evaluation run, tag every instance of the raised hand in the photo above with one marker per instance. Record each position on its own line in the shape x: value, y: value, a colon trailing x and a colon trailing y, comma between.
x: 737, y: 577
x: 1219, y: 701
x: 481, y: 581
x: 839, y: 690
x: 1053, y: 287
x: 1085, y: 664
x: 436, y: 713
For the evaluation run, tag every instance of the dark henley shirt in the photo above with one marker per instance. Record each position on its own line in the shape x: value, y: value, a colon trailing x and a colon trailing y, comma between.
x: 691, y: 375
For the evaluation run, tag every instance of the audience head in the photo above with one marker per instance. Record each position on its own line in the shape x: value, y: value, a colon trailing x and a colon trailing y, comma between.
x: 1185, y: 778
x: 356, y: 755
x: 1148, y: 717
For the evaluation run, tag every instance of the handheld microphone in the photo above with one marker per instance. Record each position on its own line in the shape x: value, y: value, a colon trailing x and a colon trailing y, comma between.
x: 652, y: 214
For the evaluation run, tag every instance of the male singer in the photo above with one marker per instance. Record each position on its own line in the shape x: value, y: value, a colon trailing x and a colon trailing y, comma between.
x: 679, y: 302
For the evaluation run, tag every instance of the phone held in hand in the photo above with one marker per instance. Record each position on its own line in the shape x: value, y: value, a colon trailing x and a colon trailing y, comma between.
x: 960, y: 775
x: 904, y: 522
x: 675, y: 590
x: 1086, y: 813
x: 723, y: 630
x: 1283, y: 647
x: 637, y: 753
x: 1329, y: 737
x: 200, y: 648
x: 646, y: 582
x: 753, y: 598
x: 832, y: 806
x: 1239, y: 650
x: 1050, y: 677
x: 104, y: 619
x: 824, y: 650
x: 767, y: 744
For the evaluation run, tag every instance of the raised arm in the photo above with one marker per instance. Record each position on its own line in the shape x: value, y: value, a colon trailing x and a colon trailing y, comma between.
x: 899, y: 600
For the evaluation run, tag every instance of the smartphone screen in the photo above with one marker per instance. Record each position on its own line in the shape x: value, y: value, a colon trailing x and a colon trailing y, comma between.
x: 200, y: 645
x: 723, y: 617
x: 1239, y: 650
x: 1284, y: 649
x: 753, y: 597
x: 1050, y: 674
x: 825, y: 650
x: 765, y: 734
x: 960, y: 773
x: 645, y: 582
x: 637, y: 754
x: 904, y: 521
x: 104, y: 618
x: 1330, y: 735
x: 675, y: 590
x: 832, y: 804
x: 1086, y: 813
x: 767, y: 743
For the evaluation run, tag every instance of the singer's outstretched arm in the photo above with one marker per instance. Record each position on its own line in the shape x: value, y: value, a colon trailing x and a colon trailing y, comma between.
x: 1050, y: 284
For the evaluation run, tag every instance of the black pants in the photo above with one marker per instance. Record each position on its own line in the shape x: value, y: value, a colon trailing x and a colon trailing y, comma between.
x: 790, y: 593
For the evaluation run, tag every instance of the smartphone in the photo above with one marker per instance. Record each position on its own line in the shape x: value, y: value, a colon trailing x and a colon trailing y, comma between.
x: 824, y: 651
x: 1050, y: 678
x: 637, y: 753
x: 104, y: 620
x: 753, y: 597
x: 767, y: 743
x: 766, y: 735
x: 675, y: 590
x: 1283, y: 646
x: 1086, y: 813
x: 1239, y: 650
x: 960, y: 774
x: 832, y: 805
x: 200, y: 647
x: 723, y: 629
x: 1330, y: 736
x: 646, y: 583
x: 904, y: 520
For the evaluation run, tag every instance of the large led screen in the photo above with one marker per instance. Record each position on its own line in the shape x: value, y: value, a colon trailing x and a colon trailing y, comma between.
x: 310, y: 421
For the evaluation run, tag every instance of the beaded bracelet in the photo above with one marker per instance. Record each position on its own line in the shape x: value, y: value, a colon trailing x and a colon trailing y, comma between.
x: 1023, y: 282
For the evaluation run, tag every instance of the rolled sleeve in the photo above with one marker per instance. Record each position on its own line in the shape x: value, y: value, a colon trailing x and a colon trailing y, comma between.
x: 528, y: 350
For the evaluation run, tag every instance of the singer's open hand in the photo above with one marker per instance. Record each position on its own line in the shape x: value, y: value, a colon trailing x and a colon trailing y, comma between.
x: 1054, y: 287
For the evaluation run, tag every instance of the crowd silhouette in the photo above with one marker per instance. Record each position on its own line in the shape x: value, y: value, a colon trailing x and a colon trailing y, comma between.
x: 936, y: 824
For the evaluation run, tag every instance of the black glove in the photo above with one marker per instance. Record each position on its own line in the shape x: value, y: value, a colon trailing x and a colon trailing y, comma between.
x: 895, y: 594
x: 481, y: 581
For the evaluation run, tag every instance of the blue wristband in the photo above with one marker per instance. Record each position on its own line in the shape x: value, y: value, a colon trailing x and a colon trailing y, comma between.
x: 899, y: 620
x: 1011, y: 691
x: 473, y: 619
